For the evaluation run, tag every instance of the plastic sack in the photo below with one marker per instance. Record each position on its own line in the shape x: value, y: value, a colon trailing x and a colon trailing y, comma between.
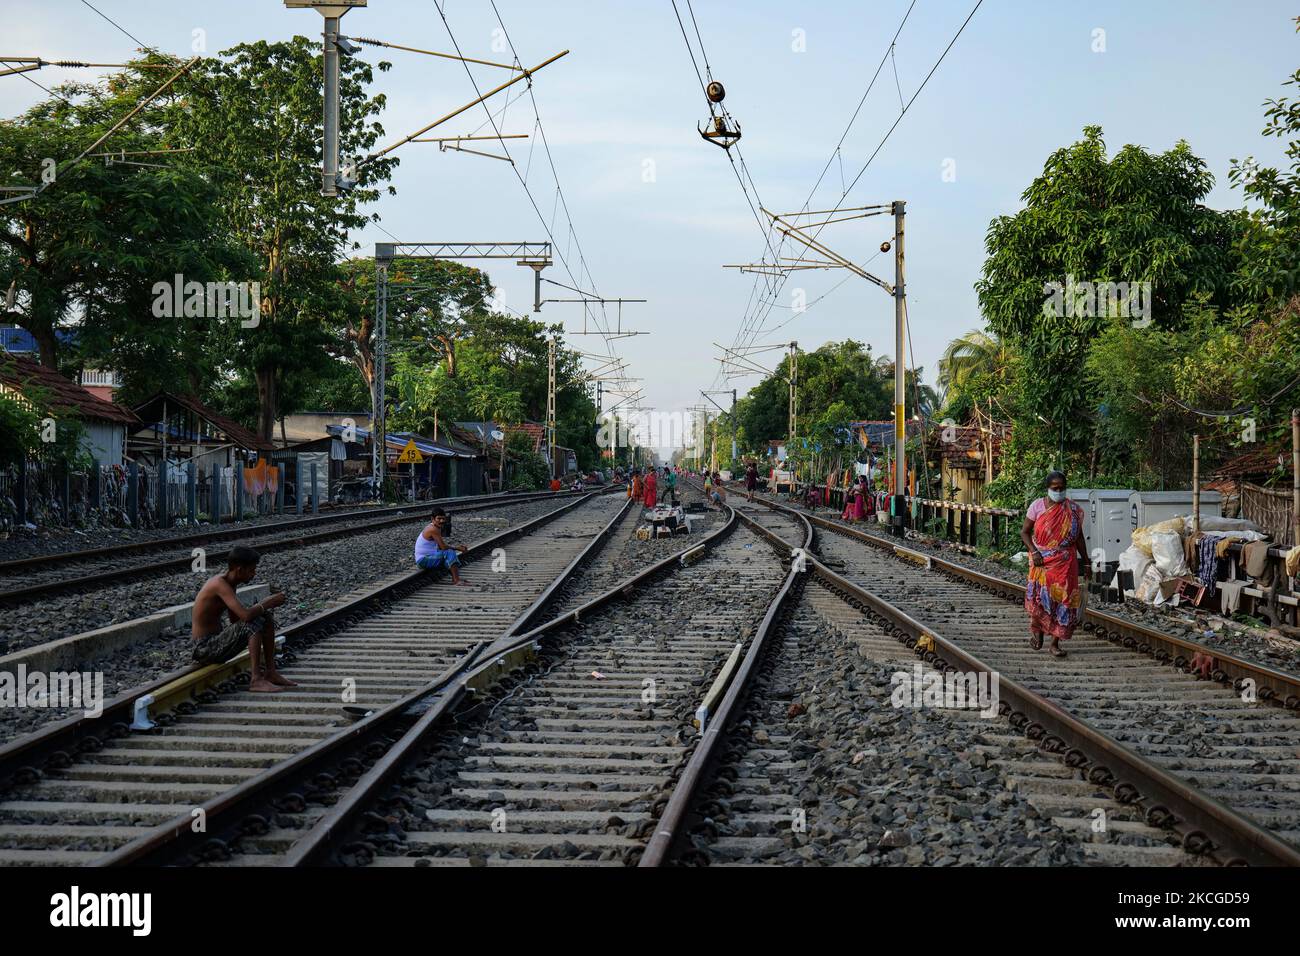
x: 1167, y: 550
x: 1142, y: 536
x: 1240, y: 536
x: 1217, y: 525
x: 1135, y: 560
x: 1148, y: 589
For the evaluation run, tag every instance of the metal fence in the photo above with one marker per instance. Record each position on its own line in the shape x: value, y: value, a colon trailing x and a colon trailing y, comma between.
x: 37, y: 494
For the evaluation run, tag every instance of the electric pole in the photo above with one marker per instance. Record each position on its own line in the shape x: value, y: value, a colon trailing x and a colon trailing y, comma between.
x: 830, y: 259
x: 794, y: 400
x: 733, y: 425
x: 378, y: 416
x: 898, y: 519
x: 332, y: 11
x: 550, y: 402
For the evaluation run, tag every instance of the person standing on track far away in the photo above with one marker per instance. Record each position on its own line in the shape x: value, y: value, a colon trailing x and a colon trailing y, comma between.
x: 751, y: 479
x: 1053, y: 535
x: 651, y: 488
x: 719, y: 491
x: 670, y: 486
x: 250, y: 627
x: 432, y: 550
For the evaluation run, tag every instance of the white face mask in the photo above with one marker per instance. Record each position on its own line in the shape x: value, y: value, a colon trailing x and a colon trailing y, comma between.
x: 1056, y: 495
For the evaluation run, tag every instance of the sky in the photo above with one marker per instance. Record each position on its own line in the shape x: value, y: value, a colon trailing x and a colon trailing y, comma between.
x: 654, y: 212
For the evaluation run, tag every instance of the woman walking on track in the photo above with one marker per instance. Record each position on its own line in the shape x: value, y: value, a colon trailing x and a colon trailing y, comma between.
x: 1053, y: 535
x: 751, y: 480
x: 634, y: 490
x: 651, y: 488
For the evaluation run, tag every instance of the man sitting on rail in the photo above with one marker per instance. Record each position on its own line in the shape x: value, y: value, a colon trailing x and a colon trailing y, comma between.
x: 251, y: 627
x: 432, y: 551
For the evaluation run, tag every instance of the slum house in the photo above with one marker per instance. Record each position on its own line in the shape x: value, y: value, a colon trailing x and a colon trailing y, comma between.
x: 449, y: 469
x: 180, y: 430
x: 107, y: 424
x: 1257, y: 486
x: 875, y: 441
x: 563, y: 462
x: 966, y: 458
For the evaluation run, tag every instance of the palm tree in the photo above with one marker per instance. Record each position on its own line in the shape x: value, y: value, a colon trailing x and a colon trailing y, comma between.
x: 972, y: 355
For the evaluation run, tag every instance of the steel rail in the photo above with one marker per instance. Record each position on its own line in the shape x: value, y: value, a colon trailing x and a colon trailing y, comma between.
x: 217, y: 533
x: 510, y: 651
x: 671, y: 826
x: 20, y: 758
x: 169, y: 565
x: 1205, y: 825
x: 1272, y: 685
x: 177, y: 837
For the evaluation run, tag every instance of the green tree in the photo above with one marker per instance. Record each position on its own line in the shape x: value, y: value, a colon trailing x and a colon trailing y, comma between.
x: 1136, y: 217
x: 255, y: 114
x: 87, y: 251
x: 1270, y: 240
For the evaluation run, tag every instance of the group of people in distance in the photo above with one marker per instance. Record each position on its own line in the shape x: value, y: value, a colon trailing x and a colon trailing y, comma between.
x: 1052, y: 534
x: 646, y: 488
x: 859, y: 503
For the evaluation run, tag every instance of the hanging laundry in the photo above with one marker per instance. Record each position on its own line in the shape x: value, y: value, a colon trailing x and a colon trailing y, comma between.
x: 1230, y: 596
x: 1208, y: 559
x: 1293, y: 561
x: 1190, y: 545
x: 1254, y: 556
x: 1262, y: 571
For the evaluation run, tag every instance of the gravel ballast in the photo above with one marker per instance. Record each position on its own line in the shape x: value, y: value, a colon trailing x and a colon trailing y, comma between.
x: 311, y: 577
x: 1211, y: 631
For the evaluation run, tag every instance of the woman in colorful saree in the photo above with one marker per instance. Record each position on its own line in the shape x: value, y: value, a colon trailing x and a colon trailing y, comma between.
x: 1053, y: 536
x: 855, y: 502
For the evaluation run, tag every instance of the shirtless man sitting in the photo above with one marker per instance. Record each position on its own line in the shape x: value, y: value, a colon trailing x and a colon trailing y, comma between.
x: 251, y: 627
x: 432, y: 550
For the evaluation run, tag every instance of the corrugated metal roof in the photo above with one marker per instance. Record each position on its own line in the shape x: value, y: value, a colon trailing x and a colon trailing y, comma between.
x: 397, y: 441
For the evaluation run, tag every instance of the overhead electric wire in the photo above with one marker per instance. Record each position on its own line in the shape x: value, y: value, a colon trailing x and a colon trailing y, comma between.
x: 46, y: 89
x: 546, y: 146
x: 748, y: 324
x: 759, y: 328
x: 527, y: 191
x: 118, y: 26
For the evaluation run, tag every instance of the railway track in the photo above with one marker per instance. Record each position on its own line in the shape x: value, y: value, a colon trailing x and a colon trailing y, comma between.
x: 568, y: 724
x: 867, y: 788
x: 569, y: 742
x: 85, y: 790
x: 84, y: 571
x: 1202, y: 764
x: 569, y: 764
